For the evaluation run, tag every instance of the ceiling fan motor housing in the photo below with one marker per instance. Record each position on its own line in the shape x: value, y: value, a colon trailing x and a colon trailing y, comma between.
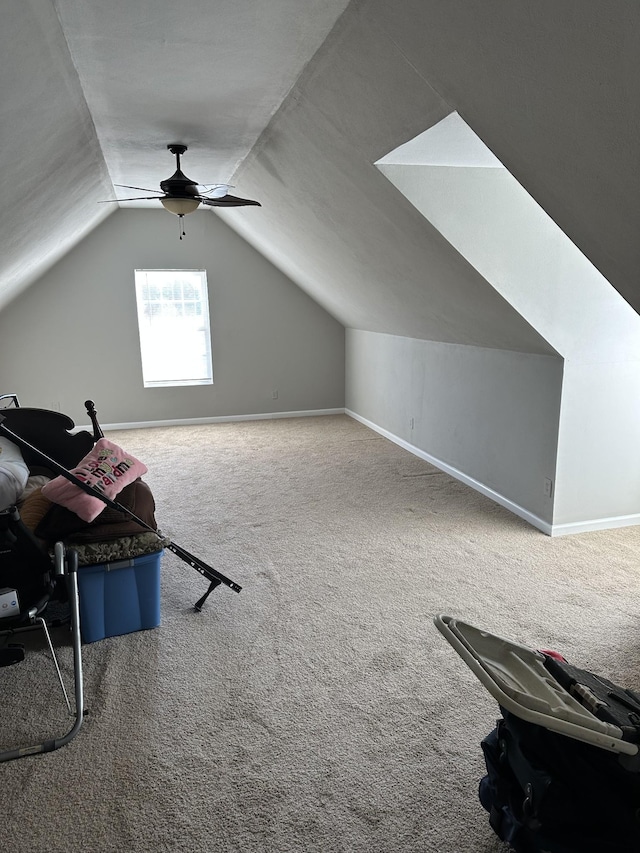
x: 178, y: 185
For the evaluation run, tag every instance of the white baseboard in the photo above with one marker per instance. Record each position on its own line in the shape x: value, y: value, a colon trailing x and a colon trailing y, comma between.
x: 521, y: 512
x: 516, y: 509
x: 312, y: 413
x: 595, y: 524
x: 544, y: 526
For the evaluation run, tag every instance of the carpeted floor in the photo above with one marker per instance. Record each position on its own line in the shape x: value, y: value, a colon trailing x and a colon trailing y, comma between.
x: 319, y: 709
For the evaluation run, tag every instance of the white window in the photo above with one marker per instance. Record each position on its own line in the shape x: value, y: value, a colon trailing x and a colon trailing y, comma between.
x: 173, y: 321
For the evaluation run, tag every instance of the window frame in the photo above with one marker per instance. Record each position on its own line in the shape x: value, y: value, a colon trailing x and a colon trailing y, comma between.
x: 143, y: 278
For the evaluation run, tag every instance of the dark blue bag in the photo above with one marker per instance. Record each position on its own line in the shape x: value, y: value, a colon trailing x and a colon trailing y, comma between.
x: 548, y: 793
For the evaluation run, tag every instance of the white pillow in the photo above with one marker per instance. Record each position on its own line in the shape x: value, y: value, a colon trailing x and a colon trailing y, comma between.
x: 13, y: 473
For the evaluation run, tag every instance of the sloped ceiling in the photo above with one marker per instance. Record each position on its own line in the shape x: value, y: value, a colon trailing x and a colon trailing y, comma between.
x: 94, y: 90
x: 553, y: 89
x: 294, y: 101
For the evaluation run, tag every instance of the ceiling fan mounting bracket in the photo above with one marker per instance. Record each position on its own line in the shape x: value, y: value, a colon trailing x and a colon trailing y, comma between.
x: 177, y: 148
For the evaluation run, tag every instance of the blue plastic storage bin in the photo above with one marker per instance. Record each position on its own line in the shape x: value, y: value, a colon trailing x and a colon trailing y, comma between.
x: 120, y: 597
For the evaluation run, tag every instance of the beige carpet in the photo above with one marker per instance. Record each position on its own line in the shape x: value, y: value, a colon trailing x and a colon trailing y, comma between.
x: 319, y: 709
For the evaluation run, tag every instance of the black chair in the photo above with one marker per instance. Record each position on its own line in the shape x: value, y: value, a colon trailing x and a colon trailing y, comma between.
x: 30, y: 580
x: 33, y: 582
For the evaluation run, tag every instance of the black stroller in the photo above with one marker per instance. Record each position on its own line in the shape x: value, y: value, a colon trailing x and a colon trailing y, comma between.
x: 33, y: 584
x: 563, y: 762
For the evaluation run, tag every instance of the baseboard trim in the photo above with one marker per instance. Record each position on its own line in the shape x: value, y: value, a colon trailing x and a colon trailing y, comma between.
x: 554, y: 530
x: 535, y: 521
x: 521, y: 512
x: 265, y: 416
x: 596, y: 524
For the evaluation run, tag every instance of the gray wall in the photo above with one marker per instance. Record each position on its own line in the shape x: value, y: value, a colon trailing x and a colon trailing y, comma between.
x: 73, y: 334
x: 487, y: 414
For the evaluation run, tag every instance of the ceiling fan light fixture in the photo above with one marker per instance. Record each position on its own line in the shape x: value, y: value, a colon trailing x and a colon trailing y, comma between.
x: 180, y: 206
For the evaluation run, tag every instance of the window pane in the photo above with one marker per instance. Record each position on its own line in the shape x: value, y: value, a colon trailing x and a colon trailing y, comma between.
x: 173, y: 322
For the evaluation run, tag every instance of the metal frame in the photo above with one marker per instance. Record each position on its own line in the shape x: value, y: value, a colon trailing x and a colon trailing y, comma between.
x: 65, y: 566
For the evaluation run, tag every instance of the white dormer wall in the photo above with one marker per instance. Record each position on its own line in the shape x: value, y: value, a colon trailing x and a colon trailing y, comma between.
x: 491, y: 220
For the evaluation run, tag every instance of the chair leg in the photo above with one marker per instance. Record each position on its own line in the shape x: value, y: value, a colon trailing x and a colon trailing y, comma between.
x: 71, y: 571
x: 66, y: 564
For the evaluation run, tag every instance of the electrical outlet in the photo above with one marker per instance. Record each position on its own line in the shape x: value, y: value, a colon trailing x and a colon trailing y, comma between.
x: 548, y: 487
x: 274, y: 395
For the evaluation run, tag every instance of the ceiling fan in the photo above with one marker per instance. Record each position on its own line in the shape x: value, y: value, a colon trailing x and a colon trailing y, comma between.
x: 181, y: 195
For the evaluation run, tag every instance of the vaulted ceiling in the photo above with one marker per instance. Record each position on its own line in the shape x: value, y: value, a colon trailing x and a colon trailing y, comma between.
x: 94, y: 91
x: 293, y: 101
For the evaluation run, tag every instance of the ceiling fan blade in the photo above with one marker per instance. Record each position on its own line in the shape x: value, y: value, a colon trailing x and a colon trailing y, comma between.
x: 213, y: 190
x: 127, y: 187
x: 229, y: 201
x: 140, y: 198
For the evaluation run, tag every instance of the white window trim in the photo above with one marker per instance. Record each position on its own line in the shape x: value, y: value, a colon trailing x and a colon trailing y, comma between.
x: 163, y: 349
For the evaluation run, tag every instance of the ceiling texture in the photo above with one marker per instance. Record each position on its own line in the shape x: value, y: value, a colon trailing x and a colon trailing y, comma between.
x: 94, y: 92
x: 293, y: 102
